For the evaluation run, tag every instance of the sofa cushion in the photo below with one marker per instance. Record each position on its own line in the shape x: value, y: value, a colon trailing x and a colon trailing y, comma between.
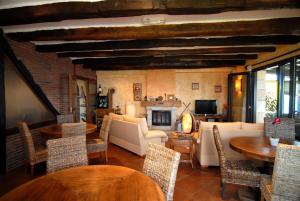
x: 116, y: 116
x: 156, y: 133
x: 141, y: 121
x: 252, y: 126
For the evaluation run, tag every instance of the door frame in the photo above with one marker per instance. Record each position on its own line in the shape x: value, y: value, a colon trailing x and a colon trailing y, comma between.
x: 249, y: 95
x: 2, y: 118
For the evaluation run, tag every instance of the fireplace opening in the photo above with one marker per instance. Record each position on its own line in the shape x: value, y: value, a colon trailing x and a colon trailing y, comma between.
x: 161, y: 118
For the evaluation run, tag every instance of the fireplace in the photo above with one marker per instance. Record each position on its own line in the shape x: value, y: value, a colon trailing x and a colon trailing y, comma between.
x: 161, y: 118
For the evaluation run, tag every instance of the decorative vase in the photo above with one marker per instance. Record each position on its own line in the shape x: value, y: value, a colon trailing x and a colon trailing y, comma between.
x: 274, y: 141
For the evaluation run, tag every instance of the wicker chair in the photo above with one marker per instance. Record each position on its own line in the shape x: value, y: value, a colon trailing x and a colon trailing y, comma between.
x: 285, y: 182
x: 65, y: 118
x: 240, y: 172
x: 33, y: 153
x: 66, y: 152
x: 73, y: 129
x: 161, y: 164
x: 100, y: 144
x: 286, y: 129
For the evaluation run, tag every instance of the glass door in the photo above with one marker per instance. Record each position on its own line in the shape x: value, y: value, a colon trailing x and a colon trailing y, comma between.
x: 297, y: 97
x: 239, y: 108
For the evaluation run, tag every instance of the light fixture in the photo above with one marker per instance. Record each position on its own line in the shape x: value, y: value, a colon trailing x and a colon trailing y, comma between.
x: 187, y: 123
x: 238, y: 85
x: 130, y: 109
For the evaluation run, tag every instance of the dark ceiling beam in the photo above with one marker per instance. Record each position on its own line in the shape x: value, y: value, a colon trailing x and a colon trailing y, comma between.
x: 130, y: 53
x: 124, y: 8
x: 280, y: 26
x: 179, y: 58
x: 138, y: 44
x: 167, y: 65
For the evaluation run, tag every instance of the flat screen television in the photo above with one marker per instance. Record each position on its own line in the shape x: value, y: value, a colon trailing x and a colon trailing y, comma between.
x: 206, y: 107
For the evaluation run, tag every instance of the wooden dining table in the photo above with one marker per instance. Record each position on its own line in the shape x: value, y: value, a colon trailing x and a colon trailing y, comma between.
x: 55, y: 131
x: 256, y: 147
x: 97, y: 183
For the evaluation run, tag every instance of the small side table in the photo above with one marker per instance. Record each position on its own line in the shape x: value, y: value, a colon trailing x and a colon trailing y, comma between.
x: 182, y: 143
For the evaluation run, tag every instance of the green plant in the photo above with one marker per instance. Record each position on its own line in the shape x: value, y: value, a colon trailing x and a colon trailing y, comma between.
x: 271, y: 104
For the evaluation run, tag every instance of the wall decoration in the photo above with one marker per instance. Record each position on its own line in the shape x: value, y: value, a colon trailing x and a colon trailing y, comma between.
x: 171, y: 97
x: 137, y: 91
x: 218, y: 89
x: 195, y: 86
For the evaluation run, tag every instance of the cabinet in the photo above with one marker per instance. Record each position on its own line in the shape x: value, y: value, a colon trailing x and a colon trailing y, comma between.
x: 217, y: 118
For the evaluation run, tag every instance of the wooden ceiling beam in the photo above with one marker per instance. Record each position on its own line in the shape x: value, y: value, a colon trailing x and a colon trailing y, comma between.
x: 166, y: 65
x: 279, y: 26
x: 138, y: 44
x: 198, y: 51
x: 116, y: 8
x: 179, y: 58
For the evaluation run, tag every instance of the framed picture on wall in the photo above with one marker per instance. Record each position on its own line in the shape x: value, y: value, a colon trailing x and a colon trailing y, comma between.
x: 137, y: 91
x: 195, y: 86
x: 218, y: 89
x: 102, y: 101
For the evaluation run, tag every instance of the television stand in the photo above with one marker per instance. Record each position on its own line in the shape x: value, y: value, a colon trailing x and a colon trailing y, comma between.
x: 210, y: 117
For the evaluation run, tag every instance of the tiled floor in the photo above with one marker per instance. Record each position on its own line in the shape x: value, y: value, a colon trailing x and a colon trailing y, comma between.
x: 191, y: 184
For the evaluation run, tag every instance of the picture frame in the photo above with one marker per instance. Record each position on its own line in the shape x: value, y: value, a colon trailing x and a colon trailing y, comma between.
x: 195, y: 86
x: 137, y: 91
x: 102, y: 102
x: 170, y: 97
x: 218, y: 89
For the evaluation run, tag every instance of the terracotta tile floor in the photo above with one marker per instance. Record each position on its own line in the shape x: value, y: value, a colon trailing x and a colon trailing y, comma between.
x: 191, y: 184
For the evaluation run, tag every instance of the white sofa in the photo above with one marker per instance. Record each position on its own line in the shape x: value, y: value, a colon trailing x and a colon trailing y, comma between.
x: 132, y: 134
x: 205, y: 147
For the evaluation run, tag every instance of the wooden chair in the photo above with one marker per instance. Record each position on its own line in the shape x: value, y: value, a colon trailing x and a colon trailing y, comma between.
x: 286, y: 129
x: 66, y: 152
x: 73, y: 129
x: 100, y: 144
x: 284, y: 184
x: 161, y: 164
x: 65, y: 118
x: 240, y: 172
x: 33, y: 153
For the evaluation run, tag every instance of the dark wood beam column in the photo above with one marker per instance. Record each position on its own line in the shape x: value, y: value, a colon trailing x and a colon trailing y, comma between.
x: 138, y: 44
x: 280, y: 26
x: 117, y: 8
x: 130, y: 53
x: 2, y: 112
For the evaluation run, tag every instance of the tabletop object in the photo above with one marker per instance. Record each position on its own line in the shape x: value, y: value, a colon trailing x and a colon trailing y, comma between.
x: 55, y: 131
x: 97, y: 183
x: 182, y: 143
x: 255, y: 147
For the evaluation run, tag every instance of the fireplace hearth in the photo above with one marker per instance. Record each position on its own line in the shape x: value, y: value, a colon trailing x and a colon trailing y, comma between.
x: 161, y: 118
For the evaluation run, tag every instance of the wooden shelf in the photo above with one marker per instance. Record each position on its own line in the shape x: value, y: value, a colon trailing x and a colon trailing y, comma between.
x: 161, y: 103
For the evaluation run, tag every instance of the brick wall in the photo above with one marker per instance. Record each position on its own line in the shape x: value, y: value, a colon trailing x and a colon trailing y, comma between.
x: 51, y: 74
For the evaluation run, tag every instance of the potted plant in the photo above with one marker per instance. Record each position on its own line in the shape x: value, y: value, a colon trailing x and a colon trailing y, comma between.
x: 274, y: 139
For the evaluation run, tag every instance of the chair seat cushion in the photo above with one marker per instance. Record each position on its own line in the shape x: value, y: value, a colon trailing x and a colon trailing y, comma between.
x: 266, y: 186
x: 41, y: 154
x: 95, y: 145
x: 243, y: 172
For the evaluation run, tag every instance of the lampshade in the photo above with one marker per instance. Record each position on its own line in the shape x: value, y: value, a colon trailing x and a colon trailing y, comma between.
x: 130, y: 109
x: 187, y: 123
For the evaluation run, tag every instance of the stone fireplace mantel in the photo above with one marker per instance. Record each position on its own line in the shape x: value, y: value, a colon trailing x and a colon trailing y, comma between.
x: 167, y: 103
x: 161, y: 108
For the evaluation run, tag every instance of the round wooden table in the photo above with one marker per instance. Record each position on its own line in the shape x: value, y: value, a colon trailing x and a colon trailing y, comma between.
x: 97, y: 183
x: 255, y: 147
x: 55, y: 131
